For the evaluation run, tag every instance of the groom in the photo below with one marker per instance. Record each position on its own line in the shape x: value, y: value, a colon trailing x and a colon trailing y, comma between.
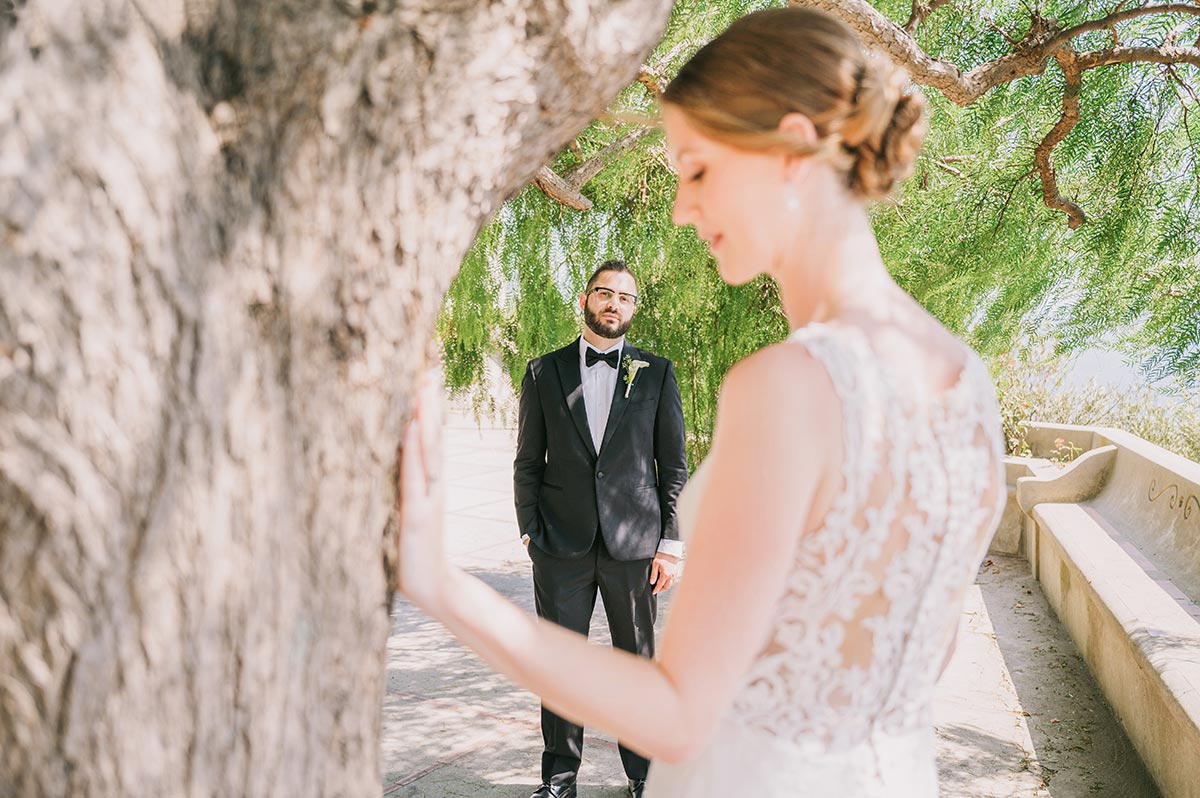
x: 600, y: 462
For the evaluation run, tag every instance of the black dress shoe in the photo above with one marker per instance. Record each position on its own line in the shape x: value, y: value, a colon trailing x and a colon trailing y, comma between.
x: 636, y: 788
x: 556, y: 791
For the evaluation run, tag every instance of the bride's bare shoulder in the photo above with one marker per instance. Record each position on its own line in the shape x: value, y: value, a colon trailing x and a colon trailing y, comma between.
x: 781, y: 378
x: 930, y: 356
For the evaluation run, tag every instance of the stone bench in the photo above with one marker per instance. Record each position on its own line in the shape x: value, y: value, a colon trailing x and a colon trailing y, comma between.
x: 1114, y: 539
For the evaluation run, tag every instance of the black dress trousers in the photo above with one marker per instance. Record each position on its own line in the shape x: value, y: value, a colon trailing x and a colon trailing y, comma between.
x: 565, y: 593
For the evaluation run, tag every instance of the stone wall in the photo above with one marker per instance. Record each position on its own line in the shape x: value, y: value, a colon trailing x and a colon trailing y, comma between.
x: 1113, y: 536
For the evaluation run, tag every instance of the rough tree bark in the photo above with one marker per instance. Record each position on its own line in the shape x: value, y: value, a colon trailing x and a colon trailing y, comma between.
x: 227, y: 227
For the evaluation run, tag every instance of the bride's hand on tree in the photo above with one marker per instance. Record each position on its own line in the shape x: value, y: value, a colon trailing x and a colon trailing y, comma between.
x: 421, y: 565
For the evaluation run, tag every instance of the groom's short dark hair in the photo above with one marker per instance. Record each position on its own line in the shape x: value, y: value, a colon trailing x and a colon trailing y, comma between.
x: 609, y: 266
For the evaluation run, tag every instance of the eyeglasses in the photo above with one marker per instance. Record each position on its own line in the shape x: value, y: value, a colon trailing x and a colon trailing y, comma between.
x: 606, y: 294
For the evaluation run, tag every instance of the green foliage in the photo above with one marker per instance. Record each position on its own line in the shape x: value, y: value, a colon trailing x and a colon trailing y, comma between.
x: 1037, y: 392
x: 968, y: 235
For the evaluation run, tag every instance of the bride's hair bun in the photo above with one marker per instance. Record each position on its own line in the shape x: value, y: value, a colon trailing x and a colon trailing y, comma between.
x: 883, y: 130
x: 768, y: 64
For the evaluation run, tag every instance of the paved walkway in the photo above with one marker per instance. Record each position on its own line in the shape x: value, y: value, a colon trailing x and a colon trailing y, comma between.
x: 1017, y: 712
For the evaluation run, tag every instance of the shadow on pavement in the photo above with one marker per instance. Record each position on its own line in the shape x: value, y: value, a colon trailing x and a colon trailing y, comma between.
x: 1081, y: 749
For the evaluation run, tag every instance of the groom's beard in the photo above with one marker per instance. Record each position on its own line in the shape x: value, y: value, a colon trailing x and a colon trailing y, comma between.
x: 605, y: 329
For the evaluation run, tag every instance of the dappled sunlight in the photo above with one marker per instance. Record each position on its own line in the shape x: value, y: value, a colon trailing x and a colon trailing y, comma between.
x: 973, y: 762
x: 1078, y: 745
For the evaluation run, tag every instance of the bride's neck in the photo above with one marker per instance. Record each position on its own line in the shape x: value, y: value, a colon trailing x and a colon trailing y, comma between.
x: 834, y: 273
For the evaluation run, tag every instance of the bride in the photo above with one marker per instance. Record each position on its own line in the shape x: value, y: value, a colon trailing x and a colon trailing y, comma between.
x: 854, y: 478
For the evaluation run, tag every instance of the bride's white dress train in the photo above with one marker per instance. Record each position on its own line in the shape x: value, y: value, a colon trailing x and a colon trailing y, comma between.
x: 838, y: 703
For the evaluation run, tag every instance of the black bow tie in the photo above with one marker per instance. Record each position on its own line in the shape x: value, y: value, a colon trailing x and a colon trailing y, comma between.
x: 611, y: 358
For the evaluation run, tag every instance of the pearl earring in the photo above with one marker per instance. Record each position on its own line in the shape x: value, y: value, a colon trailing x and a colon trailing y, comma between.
x: 793, y: 199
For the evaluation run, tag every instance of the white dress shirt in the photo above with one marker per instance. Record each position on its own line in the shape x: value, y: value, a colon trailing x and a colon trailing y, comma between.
x: 599, y: 383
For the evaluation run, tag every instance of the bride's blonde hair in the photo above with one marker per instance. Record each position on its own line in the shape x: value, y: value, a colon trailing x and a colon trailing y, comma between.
x: 739, y: 86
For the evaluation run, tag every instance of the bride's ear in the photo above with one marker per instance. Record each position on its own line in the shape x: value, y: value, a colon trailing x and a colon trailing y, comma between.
x: 798, y: 128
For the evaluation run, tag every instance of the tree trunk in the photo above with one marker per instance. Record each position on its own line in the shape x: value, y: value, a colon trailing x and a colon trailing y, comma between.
x: 227, y: 228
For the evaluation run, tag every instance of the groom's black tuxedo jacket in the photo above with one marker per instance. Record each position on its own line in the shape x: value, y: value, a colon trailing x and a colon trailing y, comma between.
x: 566, y: 491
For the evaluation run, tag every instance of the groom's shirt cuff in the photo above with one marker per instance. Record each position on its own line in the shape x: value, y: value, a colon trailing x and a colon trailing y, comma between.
x: 673, y: 548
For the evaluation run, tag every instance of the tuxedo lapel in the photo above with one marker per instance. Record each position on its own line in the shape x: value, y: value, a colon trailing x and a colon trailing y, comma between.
x: 617, y: 410
x: 572, y: 387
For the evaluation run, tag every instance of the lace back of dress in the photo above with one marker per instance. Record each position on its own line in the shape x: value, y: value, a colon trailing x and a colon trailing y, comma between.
x: 874, y: 598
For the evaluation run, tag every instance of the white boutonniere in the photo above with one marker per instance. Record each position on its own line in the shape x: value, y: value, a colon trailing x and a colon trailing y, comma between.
x: 631, y: 369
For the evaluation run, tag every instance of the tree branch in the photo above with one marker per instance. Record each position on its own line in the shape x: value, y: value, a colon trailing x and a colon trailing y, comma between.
x: 920, y: 13
x: 567, y: 188
x: 879, y: 32
x: 652, y: 77
x: 1029, y: 56
x: 1008, y: 37
x: 1065, y: 124
x: 582, y: 174
x: 941, y: 163
x: 651, y: 81
x: 1177, y: 83
x: 560, y: 190
x: 557, y: 189
x: 1174, y: 76
x: 1168, y: 54
x: 1008, y: 200
x: 1112, y: 20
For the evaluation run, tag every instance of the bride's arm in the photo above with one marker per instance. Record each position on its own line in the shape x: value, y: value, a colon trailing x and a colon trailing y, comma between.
x: 777, y: 437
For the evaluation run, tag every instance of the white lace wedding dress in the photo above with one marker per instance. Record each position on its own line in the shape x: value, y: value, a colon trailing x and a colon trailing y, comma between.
x: 838, y: 702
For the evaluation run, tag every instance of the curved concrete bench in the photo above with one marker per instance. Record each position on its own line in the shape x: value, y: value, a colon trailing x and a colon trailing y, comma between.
x: 1114, y: 539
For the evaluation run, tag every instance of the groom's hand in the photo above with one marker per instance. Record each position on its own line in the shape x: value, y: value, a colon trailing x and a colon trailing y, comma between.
x: 664, y: 571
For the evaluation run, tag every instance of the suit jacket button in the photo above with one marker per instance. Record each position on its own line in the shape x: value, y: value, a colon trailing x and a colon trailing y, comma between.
x: 600, y: 474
